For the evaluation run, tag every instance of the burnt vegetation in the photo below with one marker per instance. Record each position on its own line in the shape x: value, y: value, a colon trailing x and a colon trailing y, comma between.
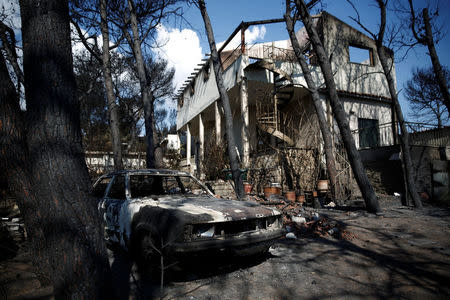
x: 115, y: 96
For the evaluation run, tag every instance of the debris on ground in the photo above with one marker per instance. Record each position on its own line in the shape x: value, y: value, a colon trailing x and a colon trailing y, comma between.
x: 303, y: 221
x: 15, y: 227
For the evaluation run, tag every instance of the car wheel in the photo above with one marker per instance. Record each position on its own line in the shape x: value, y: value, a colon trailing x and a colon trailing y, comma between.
x: 144, y: 254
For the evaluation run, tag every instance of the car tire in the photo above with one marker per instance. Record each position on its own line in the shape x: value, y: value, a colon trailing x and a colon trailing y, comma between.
x: 142, y: 252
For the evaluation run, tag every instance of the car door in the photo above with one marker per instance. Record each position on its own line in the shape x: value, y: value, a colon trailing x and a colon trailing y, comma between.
x: 112, y: 203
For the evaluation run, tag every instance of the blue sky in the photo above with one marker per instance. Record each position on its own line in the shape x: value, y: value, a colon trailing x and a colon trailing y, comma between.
x: 185, y: 45
x: 226, y: 16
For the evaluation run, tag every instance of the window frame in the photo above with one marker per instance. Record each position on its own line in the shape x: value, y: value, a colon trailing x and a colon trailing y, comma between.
x: 365, y: 130
x: 361, y: 47
x: 125, y: 178
x: 106, y: 191
x: 177, y: 177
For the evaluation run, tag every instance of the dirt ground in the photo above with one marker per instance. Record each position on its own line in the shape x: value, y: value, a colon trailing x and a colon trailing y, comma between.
x: 400, y: 254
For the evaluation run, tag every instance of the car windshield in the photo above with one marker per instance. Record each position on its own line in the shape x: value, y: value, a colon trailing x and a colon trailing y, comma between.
x: 144, y: 185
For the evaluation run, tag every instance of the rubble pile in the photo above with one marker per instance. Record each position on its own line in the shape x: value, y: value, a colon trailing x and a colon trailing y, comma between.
x: 304, y: 221
x: 299, y: 221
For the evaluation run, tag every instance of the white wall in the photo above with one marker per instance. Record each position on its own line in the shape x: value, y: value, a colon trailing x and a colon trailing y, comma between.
x: 206, y: 91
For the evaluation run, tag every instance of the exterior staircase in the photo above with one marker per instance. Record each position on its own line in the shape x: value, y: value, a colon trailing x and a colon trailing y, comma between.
x: 269, y: 117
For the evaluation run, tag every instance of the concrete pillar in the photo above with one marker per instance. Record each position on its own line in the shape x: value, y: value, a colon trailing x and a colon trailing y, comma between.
x: 245, y: 123
x: 188, y: 146
x: 201, y: 137
x: 218, y: 124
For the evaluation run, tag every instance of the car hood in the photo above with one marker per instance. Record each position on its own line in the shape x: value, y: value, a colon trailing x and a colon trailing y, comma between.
x: 186, y: 210
x: 209, y: 209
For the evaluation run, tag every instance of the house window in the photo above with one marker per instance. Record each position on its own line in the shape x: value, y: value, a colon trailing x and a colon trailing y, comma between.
x: 360, y: 55
x: 368, y: 133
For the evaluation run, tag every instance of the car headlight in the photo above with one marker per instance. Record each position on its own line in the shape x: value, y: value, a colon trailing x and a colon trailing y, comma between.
x: 203, y: 230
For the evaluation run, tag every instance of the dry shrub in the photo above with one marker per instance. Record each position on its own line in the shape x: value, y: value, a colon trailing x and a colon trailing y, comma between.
x: 215, y: 159
x: 172, y: 159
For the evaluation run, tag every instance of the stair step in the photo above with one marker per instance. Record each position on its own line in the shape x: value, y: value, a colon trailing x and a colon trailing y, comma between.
x: 277, y: 134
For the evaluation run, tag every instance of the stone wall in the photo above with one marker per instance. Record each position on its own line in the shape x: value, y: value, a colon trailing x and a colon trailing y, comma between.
x: 222, y: 188
x: 386, y: 175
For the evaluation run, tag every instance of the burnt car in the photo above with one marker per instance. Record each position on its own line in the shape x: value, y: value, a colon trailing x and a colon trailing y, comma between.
x: 152, y: 211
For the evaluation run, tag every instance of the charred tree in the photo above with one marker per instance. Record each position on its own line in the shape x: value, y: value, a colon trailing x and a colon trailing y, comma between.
x: 387, y: 61
x: 112, y: 107
x: 340, y: 116
x: 218, y: 71
x: 426, y: 38
x: 79, y: 11
x: 44, y: 160
x: 9, y: 46
x: 424, y: 96
x: 324, y: 128
x: 134, y: 41
x: 404, y: 138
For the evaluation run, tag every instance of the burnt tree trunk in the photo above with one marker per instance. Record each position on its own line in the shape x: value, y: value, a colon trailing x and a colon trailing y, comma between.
x: 340, y: 116
x: 48, y: 173
x: 437, y: 67
x: 147, y: 97
x: 159, y: 154
x: 218, y: 71
x: 404, y: 139
x: 9, y: 46
x: 324, y: 128
x: 427, y: 39
x: 112, y: 106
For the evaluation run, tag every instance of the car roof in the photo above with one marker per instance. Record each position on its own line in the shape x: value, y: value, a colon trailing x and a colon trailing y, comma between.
x: 149, y: 172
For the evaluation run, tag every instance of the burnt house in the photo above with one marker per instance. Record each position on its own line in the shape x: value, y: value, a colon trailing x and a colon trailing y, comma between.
x: 272, y: 108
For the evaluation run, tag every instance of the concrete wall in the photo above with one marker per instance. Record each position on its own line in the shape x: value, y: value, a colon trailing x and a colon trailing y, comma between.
x: 103, y: 162
x: 205, y: 91
x: 359, y: 108
x: 352, y: 77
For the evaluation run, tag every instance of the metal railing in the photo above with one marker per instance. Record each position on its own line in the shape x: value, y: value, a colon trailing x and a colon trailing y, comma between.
x: 420, y: 134
x: 270, y: 52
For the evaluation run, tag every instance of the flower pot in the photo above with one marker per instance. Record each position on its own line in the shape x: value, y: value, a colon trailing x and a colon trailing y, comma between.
x: 322, y: 185
x: 248, y: 187
x: 301, y: 199
x: 290, y: 196
x: 271, y: 190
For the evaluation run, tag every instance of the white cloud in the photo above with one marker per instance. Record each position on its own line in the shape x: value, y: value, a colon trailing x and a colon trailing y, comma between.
x: 251, y: 35
x: 181, y: 49
x: 77, y: 46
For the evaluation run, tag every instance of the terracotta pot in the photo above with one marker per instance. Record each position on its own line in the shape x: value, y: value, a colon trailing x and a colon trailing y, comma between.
x: 290, y: 196
x: 271, y: 190
x: 322, y: 185
x: 248, y: 188
x: 301, y: 198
